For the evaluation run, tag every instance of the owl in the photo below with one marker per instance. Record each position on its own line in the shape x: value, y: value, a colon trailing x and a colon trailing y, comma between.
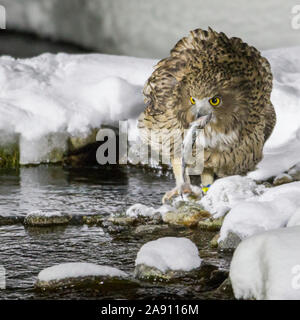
x: 221, y: 84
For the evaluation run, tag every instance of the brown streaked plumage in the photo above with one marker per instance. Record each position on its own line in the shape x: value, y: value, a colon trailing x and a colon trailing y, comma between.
x: 206, y: 65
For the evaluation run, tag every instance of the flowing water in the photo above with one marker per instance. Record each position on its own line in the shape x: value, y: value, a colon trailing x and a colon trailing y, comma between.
x: 25, y: 251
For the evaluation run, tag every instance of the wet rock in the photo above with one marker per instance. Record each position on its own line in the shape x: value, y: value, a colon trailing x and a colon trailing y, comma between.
x: 77, y: 142
x: 186, y: 213
x: 40, y: 218
x: 10, y: 220
x: 282, y: 179
x: 211, y: 224
x: 93, y: 220
x: 80, y: 275
x: 225, y: 289
x: 123, y: 220
x: 149, y: 229
x: 148, y: 273
x: 231, y: 241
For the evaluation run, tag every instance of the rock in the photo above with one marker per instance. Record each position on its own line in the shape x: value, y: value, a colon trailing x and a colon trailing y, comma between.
x: 214, y: 241
x: 9, y: 220
x: 40, y: 218
x: 123, y: 220
x: 166, y: 258
x: 282, y: 179
x: 186, y: 213
x: 77, y: 142
x: 80, y: 275
x: 225, y: 289
x: 9, y: 153
x: 149, y: 229
x: 211, y: 224
x: 93, y: 220
x: 231, y: 241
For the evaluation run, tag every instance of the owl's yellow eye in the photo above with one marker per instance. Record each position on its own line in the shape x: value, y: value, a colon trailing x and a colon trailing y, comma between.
x: 215, y: 101
x: 193, y: 101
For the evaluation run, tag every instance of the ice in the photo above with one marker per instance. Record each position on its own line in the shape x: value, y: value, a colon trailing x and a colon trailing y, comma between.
x: 78, y: 269
x: 266, y: 266
x: 169, y: 253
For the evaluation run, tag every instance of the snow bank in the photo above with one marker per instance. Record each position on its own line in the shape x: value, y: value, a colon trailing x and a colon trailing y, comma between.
x: 169, y: 253
x: 78, y: 269
x: 61, y: 95
x: 267, y: 266
x: 270, y: 210
x: 282, y: 150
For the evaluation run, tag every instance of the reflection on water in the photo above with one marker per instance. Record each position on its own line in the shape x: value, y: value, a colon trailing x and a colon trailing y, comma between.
x: 80, y: 191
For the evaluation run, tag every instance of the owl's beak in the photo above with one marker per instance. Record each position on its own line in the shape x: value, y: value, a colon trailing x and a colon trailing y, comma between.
x: 202, y: 121
x: 203, y: 113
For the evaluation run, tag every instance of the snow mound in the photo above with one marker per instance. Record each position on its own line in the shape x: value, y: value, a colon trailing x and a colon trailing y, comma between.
x: 267, y: 211
x: 226, y: 192
x: 282, y: 150
x: 78, y: 269
x: 140, y: 210
x: 267, y: 266
x: 169, y: 253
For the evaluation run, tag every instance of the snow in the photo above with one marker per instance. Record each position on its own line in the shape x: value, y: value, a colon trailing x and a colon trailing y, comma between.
x: 43, y: 213
x: 63, y: 95
x: 169, y: 253
x: 140, y: 210
x: 282, y: 150
x: 266, y: 266
x: 270, y: 210
x: 78, y: 269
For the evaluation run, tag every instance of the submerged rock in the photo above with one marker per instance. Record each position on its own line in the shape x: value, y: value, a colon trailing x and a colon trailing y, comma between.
x: 79, y: 275
x: 166, y: 258
x: 40, y: 218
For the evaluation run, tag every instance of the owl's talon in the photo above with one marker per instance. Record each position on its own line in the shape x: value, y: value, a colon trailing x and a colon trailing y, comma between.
x: 178, y: 191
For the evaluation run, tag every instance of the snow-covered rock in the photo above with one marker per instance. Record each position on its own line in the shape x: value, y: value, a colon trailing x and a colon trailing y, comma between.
x: 282, y: 179
x: 271, y: 210
x: 226, y: 192
x: 267, y: 266
x: 166, y: 257
x: 76, y: 274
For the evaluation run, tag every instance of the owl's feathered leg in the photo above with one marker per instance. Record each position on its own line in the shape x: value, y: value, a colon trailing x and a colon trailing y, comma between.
x: 182, y: 181
x: 207, y: 177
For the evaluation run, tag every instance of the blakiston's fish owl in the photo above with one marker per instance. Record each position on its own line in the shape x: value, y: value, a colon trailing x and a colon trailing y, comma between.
x: 223, y: 83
